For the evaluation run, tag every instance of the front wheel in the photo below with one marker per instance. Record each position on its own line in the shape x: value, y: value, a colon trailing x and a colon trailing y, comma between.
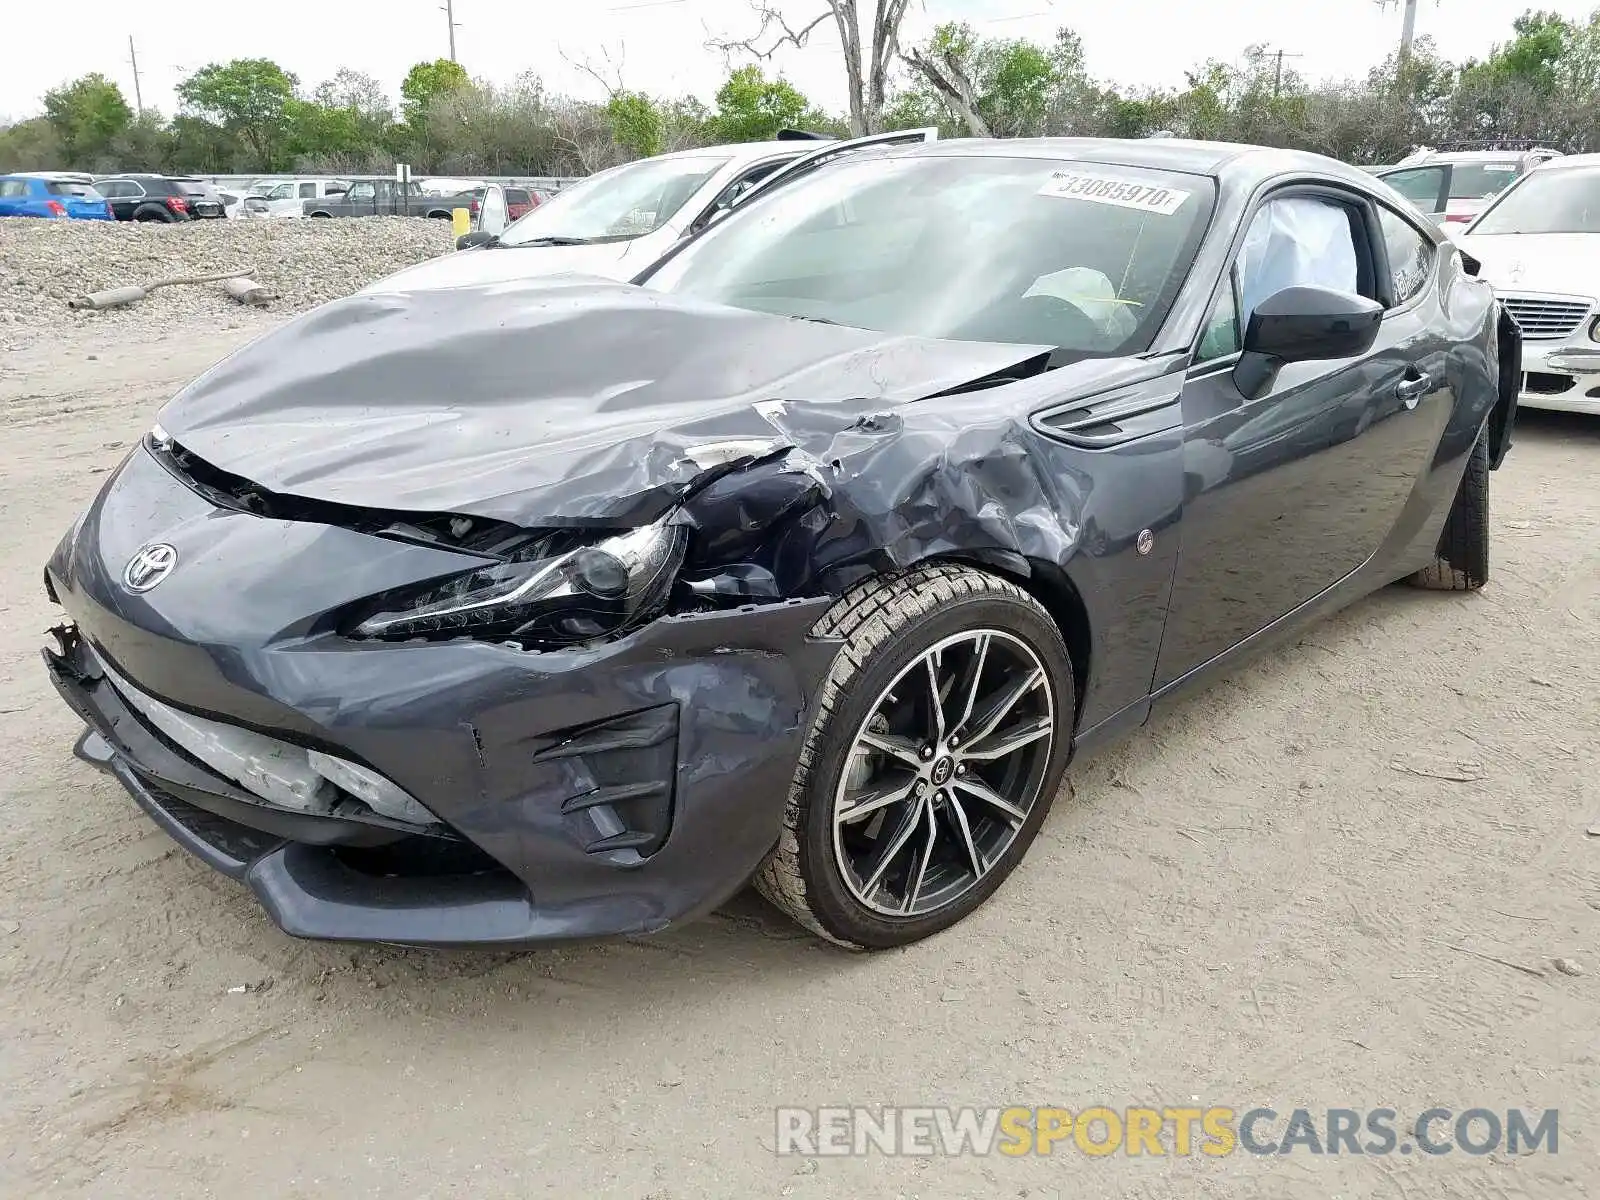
x: 1462, y: 558
x: 938, y: 743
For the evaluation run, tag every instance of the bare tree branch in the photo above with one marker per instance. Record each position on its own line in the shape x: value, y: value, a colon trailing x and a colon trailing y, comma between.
x: 604, y: 79
x: 951, y: 82
x: 867, y: 68
x: 783, y: 36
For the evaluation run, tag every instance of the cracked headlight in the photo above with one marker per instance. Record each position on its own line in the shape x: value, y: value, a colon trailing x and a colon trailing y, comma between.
x: 600, y: 590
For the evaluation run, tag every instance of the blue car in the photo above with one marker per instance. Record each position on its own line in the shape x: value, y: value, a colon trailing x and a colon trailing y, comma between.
x: 47, y: 196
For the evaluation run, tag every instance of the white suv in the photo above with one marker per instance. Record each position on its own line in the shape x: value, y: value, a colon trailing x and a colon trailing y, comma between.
x: 1456, y: 186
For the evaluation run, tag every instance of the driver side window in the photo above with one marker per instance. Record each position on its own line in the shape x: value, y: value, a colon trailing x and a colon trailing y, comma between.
x: 1293, y: 241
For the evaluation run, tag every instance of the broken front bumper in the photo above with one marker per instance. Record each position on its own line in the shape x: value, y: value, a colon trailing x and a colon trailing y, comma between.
x: 580, y: 794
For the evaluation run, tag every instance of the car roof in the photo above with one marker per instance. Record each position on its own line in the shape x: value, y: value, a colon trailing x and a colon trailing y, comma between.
x: 748, y: 151
x: 1571, y: 160
x: 1183, y: 155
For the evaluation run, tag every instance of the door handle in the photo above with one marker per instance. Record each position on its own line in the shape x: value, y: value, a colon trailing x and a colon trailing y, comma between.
x: 1413, y: 388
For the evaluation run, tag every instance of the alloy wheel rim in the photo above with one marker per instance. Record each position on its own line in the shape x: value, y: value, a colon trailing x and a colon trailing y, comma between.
x: 943, y: 773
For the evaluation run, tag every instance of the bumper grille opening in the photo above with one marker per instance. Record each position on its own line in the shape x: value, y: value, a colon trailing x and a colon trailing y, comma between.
x: 1547, y: 383
x: 419, y: 858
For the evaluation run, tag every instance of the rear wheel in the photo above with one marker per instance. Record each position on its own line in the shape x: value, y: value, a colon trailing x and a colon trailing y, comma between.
x: 154, y: 213
x: 1462, y: 562
x: 937, y: 746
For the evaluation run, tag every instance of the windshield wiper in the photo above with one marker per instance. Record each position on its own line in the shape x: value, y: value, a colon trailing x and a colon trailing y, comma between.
x: 553, y: 240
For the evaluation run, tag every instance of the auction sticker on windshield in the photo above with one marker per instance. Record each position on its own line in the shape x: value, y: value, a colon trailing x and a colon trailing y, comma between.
x: 1124, y: 193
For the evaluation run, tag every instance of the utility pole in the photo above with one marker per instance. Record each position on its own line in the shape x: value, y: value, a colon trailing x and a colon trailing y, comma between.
x: 1277, y: 74
x: 449, y: 10
x: 1408, y: 25
x: 133, y: 57
x: 1408, y: 30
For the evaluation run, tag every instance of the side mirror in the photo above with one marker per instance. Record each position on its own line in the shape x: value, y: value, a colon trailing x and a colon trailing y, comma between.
x: 478, y: 237
x: 1303, y: 324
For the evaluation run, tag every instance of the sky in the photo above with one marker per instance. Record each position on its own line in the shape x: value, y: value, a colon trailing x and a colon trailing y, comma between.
x: 661, y: 44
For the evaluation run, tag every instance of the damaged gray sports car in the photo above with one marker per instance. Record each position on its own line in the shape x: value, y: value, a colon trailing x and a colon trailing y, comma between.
x: 559, y: 608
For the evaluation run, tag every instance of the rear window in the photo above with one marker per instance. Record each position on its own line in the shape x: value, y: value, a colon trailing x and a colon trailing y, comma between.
x: 72, y: 189
x: 1478, y: 181
x: 517, y: 196
x: 190, y: 188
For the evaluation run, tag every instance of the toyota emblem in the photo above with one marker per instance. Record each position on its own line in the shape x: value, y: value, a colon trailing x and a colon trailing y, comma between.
x: 149, y: 567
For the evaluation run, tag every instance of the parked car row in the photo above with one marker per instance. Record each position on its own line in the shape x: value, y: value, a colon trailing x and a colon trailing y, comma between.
x: 129, y: 197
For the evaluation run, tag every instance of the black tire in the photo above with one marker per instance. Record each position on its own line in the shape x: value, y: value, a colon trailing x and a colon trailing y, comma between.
x: 887, y: 624
x: 323, y: 216
x: 158, y: 215
x: 1462, y: 562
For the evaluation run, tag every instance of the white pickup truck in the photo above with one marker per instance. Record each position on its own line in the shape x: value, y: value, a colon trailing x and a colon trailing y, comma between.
x: 287, y: 197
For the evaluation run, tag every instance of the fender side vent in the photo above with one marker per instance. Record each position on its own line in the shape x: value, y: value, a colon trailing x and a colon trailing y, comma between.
x: 623, y: 772
x: 1111, y: 420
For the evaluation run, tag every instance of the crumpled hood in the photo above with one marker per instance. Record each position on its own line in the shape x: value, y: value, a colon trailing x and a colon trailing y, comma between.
x: 1567, y: 263
x: 560, y: 400
x: 467, y: 268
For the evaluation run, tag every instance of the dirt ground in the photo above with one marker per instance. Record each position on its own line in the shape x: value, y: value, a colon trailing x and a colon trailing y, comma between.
x: 1263, y: 898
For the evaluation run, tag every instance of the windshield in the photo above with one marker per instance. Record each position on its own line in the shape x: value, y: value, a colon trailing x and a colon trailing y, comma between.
x: 1079, y: 256
x: 1477, y: 181
x: 616, y: 205
x: 1564, y: 200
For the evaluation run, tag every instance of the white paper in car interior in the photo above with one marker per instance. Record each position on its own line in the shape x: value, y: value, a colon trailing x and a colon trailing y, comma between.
x: 1106, y: 189
x: 1298, y: 242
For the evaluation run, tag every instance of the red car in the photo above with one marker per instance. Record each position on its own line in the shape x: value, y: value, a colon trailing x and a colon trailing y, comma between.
x: 519, y: 201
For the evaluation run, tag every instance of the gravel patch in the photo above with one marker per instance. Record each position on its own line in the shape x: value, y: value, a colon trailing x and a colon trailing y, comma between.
x: 305, y: 262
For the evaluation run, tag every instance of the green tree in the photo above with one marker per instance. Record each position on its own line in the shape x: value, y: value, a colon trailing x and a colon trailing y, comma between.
x: 426, y: 82
x: 752, y: 108
x: 30, y: 145
x: 86, y: 115
x: 345, y: 126
x: 248, y: 97
x: 202, y: 147
x: 146, y: 145
x: 637, y: 123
